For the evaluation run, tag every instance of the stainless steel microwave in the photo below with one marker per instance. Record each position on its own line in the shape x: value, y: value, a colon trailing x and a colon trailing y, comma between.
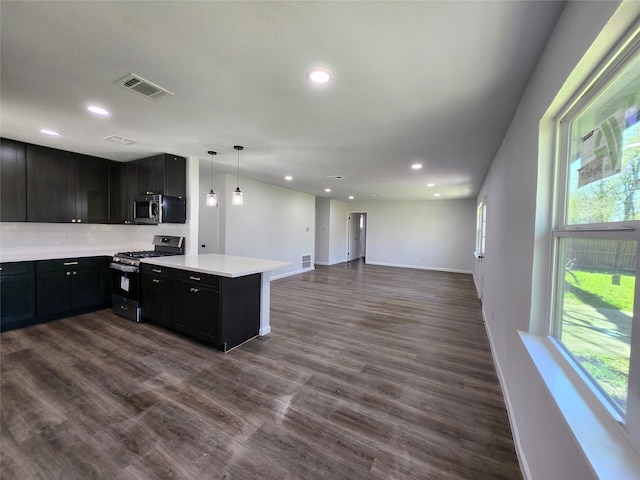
x: 155, y: 209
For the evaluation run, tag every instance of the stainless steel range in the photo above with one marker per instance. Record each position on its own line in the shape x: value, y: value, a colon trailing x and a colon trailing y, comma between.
x: 126, y: 274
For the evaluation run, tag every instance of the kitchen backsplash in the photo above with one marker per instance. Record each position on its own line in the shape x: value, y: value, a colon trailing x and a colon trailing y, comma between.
x: 23, y: 237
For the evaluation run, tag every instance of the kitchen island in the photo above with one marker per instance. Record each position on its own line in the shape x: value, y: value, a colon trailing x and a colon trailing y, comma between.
x: 220, y: 299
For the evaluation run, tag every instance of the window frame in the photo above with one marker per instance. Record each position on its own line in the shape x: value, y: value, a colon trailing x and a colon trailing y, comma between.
x: 620, y: 230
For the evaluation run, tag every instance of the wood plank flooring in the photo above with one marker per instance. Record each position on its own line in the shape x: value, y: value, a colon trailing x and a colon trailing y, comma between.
x: 369, y: 373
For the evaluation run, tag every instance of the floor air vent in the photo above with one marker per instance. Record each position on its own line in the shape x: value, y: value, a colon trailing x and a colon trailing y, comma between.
x: 143, y: 87
x: 306, y: 261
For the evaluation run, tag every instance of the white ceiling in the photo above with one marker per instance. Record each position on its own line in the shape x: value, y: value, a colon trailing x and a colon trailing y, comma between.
x: 435, y: 82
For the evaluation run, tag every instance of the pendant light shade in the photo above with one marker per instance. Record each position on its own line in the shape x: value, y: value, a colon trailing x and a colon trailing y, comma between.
x: 212, y: 198
x: 237, y: 195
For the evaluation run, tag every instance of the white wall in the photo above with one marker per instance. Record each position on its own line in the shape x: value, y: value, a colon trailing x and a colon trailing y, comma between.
x: 337, y: 232
x: 210, y: 218
x: 322, y: 230
x: 437, y: 234
x: 547, y: 449
x: 274, y: 223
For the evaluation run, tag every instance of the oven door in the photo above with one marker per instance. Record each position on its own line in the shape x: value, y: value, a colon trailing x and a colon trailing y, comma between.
x: 125, y: 281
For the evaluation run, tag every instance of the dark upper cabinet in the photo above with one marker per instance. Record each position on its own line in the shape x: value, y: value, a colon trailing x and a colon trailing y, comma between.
x: 51, y: 185
x: 164, y: 174
x: 123, y: 190
x: 92, y: 189
x: 13, y: 181
x: 66, y: 187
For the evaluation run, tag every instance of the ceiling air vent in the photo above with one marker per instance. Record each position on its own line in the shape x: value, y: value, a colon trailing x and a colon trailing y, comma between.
x: 335, y: 177
x: 120, y: 140
x: 139, y: 85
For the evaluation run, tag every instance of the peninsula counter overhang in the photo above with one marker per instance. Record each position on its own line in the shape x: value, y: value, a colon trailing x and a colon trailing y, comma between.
x: 215, y: 264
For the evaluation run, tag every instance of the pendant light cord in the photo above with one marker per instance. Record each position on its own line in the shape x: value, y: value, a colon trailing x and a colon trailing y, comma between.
x: 238, y: 148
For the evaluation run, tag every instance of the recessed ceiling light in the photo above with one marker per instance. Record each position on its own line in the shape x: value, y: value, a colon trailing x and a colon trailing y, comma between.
x: 327, y: 190
x: 436, y: 194
x: 431, y: 185
x: 416, y: 166
x: 97, y: 110
x: 351, y: 197
x: 50, y: 132
x: 319, y: 75
x: 288, y: 178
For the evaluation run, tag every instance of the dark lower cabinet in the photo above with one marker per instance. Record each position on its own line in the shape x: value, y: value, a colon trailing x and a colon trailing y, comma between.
x: 39, y: 291
x: 70, y: 285
x: 220, y: 311
x: 158, y: 295
x: 197, y: 307
x: 17, y: 294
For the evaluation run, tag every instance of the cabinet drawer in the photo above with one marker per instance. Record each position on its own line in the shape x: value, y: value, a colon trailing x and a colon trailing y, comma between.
x: 16, y: 268
x: 211, y: 281
x: 156, y: 270
x: 68, y: 263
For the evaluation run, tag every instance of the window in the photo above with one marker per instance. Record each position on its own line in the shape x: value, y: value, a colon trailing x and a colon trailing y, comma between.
x: 481, y: 229
x: 597, y: 236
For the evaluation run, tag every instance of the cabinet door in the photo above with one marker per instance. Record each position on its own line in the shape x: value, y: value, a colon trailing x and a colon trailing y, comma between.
x: 175, y: 176
x: 185, y: 309
x: 51, y: 181
x: 87, y: 287
x: 196, y: 312
x: 53, y: 291
x: 157, y: 300
x: 13, y: 181
x: 207, y: 315
x: 18, y: 299
x: 146, y: 182
x: 123, y: 190
x: 92, y: 189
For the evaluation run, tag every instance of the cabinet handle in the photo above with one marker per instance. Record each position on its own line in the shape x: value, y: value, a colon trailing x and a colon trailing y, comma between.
x: 155, y: 280
x: 194, y: 290
x: 73, y: 220
x: 156, y: 270
x: 79, y: 220
x: 195, y: 278
x: 75, y: 272
x: 66, y: 264
x: 68, y: 273
x: 123, y: 307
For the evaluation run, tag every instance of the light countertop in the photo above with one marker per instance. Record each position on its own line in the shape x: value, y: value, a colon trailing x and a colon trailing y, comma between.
x: 53, y: 254
x: 214, y: 264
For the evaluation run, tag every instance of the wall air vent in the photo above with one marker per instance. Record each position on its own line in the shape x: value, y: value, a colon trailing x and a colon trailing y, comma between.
x: 120, y: 140
x: 143, y: 87
x: 306, y: 261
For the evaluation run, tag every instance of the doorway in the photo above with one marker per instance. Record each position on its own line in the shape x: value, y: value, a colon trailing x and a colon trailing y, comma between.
x: 356, y: 236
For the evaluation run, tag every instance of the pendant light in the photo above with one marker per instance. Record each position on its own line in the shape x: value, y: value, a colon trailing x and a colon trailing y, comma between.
x: 212, y: 198
x: 237, y: 195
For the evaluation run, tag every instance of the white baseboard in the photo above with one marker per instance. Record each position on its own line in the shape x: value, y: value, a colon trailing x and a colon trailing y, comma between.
x: 526, y: 473
x: 289, y: 274
x: 264, y: 331
x: 419, y: 267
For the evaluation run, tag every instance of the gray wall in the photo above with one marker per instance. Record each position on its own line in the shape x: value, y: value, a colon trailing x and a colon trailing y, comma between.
x: 434, y: 234
x: 518, y: 230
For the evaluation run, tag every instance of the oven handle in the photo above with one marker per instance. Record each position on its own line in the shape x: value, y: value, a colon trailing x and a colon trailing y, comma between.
x: 125, y: 268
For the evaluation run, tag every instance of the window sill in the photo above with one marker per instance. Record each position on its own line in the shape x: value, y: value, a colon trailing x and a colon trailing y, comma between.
x: 602, y: 440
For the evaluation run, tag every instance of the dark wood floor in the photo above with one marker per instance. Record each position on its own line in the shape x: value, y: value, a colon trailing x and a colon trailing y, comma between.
x: 369, y: 373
